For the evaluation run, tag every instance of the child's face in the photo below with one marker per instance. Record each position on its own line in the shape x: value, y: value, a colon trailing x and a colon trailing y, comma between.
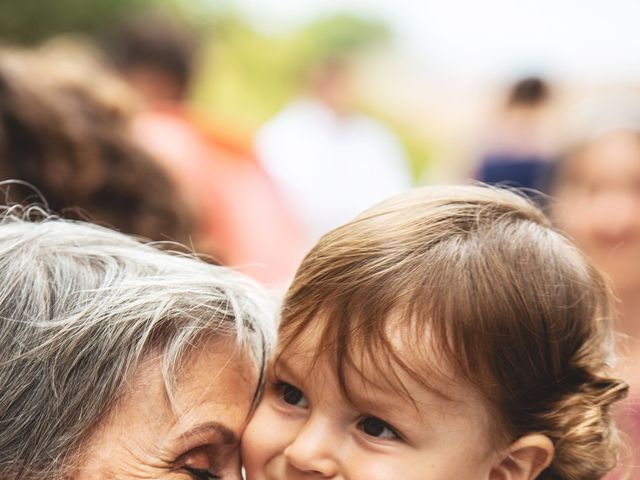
x: 306, y: 428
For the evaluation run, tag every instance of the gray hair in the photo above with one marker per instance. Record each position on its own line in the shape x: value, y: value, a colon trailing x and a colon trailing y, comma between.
x: 80, y: 307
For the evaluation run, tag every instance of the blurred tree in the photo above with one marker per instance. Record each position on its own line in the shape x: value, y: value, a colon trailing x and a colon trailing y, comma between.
x: 249, y: 75
x: 337, y: 35
x: 29, y: 22
x: 245, y: 76
x: 32, y: 21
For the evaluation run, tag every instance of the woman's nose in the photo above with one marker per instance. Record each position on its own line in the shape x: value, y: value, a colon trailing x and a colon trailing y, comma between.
x: 313, y: 451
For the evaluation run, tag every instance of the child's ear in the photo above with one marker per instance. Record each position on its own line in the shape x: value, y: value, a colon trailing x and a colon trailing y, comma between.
x: 524, y: 459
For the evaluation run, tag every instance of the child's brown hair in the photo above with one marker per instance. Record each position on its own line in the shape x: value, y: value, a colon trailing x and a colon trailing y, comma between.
x: 477, y: 276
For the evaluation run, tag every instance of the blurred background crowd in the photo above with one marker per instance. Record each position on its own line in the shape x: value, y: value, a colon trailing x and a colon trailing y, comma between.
x: 246, y: 129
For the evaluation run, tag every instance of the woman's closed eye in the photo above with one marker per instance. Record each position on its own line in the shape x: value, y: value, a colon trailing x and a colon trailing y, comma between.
x: 291, y: 395
x: 198, y: 463
x: 201, y: 474
x: 374, y: 427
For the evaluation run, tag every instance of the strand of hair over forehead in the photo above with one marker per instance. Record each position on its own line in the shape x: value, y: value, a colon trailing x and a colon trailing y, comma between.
x: 122, y: 289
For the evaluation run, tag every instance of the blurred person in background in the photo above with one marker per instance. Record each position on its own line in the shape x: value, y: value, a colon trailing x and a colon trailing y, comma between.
x: 241, y: 216
x: 65, y: 130
x: 521, y: 144
x: 331, y: 161
x: 157, y: 55
x: 597, y: 202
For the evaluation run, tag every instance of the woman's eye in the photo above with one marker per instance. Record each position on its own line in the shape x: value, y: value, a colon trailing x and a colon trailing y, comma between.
x: 201, y: 474
x: 197, y: 463
x: 292, y: 395
x: 375, y: 427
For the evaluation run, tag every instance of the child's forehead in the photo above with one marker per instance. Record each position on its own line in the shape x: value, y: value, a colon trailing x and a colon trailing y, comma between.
x: 395, y: 333
x: 374, y: 386
x: 397, y: 363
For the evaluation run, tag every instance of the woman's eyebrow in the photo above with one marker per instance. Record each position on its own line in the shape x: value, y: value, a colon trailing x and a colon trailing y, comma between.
x: 207, y: 429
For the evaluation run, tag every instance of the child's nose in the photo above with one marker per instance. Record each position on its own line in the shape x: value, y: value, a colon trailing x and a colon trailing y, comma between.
x: 313, y: 449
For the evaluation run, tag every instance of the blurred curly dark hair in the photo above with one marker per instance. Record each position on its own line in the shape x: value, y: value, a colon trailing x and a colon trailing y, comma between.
x: 64, y: 128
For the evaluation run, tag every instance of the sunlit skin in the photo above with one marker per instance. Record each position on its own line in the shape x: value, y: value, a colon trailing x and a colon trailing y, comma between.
x: 144, y: 438
x: 306, y: 428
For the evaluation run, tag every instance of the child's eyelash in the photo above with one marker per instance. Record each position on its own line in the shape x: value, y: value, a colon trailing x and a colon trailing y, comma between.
x: 280, y: 386
x: 288, y: 392
x: 369, y: 422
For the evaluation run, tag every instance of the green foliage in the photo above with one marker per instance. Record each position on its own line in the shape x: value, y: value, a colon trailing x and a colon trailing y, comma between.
x: 337, y: 35
x: 246, y: 75
x: 250, y: 75
x: 32, y: 21
x: 29, y: 22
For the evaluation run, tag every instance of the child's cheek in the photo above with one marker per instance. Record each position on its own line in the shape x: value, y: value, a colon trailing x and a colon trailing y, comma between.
x: 263, y: 442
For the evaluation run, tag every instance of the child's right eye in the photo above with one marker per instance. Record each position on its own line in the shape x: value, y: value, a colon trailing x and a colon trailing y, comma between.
x: 377, y: 428
x: 291, y: 395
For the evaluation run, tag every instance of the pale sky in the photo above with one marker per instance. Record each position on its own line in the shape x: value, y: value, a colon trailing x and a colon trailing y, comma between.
x: 598, y: 39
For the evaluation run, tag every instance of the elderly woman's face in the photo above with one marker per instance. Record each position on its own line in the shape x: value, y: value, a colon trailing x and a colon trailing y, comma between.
x: 195, y: 438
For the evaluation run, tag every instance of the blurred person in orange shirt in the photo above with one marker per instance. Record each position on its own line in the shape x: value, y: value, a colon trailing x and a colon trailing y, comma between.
x: 597, y: 202
x: 243, y: 220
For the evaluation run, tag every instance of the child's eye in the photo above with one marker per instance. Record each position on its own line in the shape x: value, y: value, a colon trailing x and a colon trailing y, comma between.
x: 291, y: 395
x: 377, y: 428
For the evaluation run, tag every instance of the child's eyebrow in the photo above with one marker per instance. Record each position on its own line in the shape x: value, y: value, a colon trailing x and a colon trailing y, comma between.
x: 377, y: 400
x: 373, y: 396
x: 282, y: 366
x: 365, y: 390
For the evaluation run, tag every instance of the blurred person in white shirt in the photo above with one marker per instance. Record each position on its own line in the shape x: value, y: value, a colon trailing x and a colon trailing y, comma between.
x: 331, y: 161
